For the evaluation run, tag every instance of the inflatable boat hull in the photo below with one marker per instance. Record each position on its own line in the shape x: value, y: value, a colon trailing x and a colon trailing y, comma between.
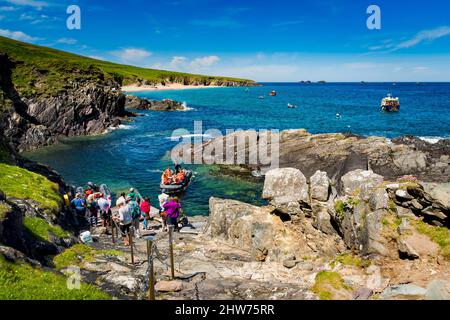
x: 176, y: 188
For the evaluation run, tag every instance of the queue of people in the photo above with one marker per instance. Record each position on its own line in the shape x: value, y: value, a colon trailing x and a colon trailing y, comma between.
x: 93, y: 203
x: 133, y: 210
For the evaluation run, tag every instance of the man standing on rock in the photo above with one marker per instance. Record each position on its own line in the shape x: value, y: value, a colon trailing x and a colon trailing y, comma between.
x: 79, y: 205
x: 124, y: 219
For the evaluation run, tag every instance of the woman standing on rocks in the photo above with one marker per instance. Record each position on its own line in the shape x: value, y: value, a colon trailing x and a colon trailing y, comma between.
x: 173, y: 210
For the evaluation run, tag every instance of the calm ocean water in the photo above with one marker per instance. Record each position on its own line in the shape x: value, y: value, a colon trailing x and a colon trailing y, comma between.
x: 134, y: 155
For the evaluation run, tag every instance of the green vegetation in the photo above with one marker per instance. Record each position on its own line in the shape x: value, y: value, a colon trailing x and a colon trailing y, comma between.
x: 78, y: 254
x: 23, y: 184
x: 47, y: 71
x: 341, y: 206
x: 392, y: 206
x: 41, y: 228
x: 4, y: 209
x: 328, y: 284
x: 20, y: 281
x: 351, y: 260
x: 440, y: 235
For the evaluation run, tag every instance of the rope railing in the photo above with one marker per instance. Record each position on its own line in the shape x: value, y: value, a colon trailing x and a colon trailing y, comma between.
x: 153, y: 254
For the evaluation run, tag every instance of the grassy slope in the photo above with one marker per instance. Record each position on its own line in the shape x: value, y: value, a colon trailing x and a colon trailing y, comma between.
x: 20, y: 281
x: 23, y: 184
x: 44, y: 70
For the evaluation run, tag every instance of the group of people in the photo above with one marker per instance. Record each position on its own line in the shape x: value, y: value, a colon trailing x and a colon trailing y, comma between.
x: 93, y: 202
x: 169, y: 177
x: 133, y: 209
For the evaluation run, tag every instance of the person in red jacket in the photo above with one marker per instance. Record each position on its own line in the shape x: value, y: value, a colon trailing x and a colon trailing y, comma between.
x: 145, y: 208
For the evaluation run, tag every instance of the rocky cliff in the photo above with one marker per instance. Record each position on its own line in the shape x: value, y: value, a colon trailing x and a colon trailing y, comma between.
x: 81, y: 108
x: 337, y: 154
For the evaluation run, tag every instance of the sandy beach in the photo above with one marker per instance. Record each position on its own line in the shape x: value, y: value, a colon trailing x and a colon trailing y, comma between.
x: 171, y: 86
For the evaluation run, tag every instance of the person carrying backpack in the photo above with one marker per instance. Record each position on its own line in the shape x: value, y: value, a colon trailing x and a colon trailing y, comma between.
x: 136, y: 216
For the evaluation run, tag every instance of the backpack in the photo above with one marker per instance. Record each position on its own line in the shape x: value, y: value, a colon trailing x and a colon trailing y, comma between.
x: 135, y: 210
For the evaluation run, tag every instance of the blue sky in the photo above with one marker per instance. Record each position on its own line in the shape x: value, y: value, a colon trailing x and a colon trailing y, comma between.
x: 262, y: 40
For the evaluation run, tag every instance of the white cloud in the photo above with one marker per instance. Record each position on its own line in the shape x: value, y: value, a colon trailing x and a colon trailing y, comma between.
x: 69, y: 41
x: 420, y: 37
x: 132, y: 55
x: 177, y: 61
x: 2, y: 17
x: 204, y: 62
x: 421, y: 69
x: 17, y: 35
x: 426, y: 35
x: 30, y: 3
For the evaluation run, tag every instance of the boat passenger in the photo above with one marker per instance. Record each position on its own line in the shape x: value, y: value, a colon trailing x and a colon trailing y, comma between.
x: 180, y: 177
x: 167, y: 176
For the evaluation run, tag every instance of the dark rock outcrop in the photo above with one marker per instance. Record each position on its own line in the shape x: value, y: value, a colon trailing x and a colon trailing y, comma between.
x: 137, y: 103
x: 337, y: 154
x: 14, y: 234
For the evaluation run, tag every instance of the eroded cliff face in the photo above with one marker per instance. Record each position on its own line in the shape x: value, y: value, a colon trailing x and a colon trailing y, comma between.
x: 81, y: 108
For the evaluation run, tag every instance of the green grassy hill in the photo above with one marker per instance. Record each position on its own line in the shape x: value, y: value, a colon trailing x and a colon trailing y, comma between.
x: 41, y: 70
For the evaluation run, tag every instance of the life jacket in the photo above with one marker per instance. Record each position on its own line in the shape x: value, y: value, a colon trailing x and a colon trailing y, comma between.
x: 181, y: 176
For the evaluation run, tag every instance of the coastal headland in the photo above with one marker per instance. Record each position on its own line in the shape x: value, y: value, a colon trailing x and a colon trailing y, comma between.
x: 346, y: 217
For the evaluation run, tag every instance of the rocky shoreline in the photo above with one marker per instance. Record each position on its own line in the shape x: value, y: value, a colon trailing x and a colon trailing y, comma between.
x: 370, y: 241
x: 136, y: 103
x: 337, y: 154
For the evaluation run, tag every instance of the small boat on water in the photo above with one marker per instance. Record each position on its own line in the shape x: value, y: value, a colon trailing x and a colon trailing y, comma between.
x: 390, y: 104
x: 291, y: 106
x: 177, y: 188
x: 261, y: 97
x: 273, y: 93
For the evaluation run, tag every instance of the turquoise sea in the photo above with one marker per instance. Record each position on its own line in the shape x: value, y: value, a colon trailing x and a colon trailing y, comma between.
x: 134, y: 155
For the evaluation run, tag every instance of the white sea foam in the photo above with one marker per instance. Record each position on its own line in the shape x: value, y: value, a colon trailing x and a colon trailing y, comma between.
x: 432, y: 140
x: 185, y: 107
x: 154, y: 171
x: 120, y: 126
x: 187, y: 136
